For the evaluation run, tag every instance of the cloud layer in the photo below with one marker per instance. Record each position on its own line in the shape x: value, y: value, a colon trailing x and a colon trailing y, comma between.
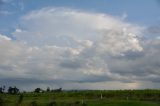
x: 72, y: 48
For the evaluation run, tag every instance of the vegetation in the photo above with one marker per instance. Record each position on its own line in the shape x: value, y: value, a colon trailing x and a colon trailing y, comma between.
x: 59, y: 97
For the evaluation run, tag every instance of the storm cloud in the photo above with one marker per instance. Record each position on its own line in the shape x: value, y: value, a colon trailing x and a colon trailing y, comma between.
x: 72, y: 48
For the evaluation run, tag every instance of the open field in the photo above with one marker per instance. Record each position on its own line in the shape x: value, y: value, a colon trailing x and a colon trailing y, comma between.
x: 84, y: 98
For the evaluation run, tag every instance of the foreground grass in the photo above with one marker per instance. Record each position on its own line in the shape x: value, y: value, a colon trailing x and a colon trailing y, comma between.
x: 84, y: 98
x: 122, y: 103
x: 88, y: 103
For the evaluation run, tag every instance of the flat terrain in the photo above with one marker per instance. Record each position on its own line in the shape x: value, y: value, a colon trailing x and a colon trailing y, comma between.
x: 84, y: 98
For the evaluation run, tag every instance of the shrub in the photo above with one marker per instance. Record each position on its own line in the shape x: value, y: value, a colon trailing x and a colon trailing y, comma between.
x: 77, y: 102
x: 53, y: 103
x: 33, y: 103
x: 84, y: 104
x: 1, y: 102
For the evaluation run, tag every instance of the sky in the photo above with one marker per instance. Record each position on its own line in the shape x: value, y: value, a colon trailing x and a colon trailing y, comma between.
x: 80, y: 44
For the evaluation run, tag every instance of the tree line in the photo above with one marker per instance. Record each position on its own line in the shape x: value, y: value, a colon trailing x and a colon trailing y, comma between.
x: 15, y: 90
x: 10, y: 90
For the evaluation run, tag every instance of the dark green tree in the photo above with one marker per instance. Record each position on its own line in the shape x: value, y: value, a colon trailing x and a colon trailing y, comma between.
x: 48, y: 89
x: 1, y: 90
x: 13, y: 90
x: 37, y: 90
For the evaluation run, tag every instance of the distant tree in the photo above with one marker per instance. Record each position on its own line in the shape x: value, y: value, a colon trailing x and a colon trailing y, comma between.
x: 16, y: 90
x: 58, y: 90
x: 10, y: 90
x: 37, y: 90
x: 13, y: 90
x: 48, y: 89
x: 1, y: 90
x: 4, y: 87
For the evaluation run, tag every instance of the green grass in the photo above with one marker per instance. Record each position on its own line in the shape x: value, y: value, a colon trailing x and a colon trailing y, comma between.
x: 122, y: 103
x: 92, y: 103
x: 90, y: 98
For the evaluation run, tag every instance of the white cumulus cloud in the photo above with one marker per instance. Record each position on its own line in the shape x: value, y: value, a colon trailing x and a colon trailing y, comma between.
x: 57, y: 45
x: 61, y: 26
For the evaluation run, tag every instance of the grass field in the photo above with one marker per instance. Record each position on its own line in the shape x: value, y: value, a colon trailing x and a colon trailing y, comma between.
x: 84, y: 98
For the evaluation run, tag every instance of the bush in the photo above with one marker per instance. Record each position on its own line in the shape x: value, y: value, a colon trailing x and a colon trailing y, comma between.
x: 77, y: 102
x: 53, y: 103
x: 33, y: 103
x: 84, y: 104
x: 1, y: 102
